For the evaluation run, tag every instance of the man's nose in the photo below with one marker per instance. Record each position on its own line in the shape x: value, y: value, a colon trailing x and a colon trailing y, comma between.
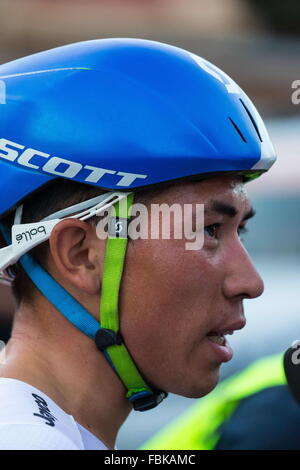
x: 242, y: 279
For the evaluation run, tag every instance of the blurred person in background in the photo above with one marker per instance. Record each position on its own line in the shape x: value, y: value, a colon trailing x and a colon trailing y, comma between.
x: 162, y: 120
x: 252, y: 410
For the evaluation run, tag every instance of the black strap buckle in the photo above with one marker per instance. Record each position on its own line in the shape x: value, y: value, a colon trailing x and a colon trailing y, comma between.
x: 105, y: 338
x: 150, y: 401
x: 292, y: 372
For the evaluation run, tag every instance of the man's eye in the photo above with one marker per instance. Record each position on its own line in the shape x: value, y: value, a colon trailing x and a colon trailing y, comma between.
x: 212, y: 230
x: 242, y: 230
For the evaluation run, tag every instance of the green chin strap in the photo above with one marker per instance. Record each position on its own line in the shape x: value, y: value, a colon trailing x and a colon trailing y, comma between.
x: 108, y: 338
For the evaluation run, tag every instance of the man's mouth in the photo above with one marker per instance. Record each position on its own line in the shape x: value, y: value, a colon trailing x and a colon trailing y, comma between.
x: 218, y: 334
x: 219, y: 337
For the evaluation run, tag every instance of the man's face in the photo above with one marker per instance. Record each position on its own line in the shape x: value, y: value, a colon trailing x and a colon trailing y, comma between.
x: 174, y: 301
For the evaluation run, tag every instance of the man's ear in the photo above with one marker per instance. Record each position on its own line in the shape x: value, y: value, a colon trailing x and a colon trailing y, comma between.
x: 77, y: 255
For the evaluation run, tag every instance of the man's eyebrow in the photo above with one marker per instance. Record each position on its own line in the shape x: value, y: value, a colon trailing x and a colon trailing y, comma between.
x: 251, y: 213
x: 224, y: 208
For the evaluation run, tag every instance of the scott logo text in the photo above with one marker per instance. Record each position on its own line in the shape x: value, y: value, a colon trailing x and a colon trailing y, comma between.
x: 35, y: 159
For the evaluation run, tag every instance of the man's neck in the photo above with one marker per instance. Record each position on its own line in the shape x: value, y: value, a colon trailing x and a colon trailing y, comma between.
x: 49, y: 353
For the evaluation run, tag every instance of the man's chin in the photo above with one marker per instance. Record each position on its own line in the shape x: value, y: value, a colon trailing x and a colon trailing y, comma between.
x: 201, y: 388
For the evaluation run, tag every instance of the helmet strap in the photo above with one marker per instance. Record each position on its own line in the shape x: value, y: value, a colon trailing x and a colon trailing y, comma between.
x: 109, y: 337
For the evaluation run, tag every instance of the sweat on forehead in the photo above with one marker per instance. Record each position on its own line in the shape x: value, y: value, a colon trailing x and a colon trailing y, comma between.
x: 210, y: 187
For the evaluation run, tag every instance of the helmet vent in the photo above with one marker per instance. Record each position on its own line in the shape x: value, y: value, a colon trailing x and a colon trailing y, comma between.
x: 238, y: 130
x: 252, y: 119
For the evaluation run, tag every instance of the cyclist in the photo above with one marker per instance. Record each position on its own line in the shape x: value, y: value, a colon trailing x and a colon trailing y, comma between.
x: 101, y: 124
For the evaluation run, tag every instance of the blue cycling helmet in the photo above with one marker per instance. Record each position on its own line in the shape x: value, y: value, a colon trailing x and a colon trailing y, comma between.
x: 121, y: 115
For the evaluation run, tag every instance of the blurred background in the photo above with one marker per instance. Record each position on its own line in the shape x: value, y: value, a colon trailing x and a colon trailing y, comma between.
x: 257, y: 42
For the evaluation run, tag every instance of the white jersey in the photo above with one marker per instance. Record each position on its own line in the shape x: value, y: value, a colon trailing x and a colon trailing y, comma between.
x: 30, y: 420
